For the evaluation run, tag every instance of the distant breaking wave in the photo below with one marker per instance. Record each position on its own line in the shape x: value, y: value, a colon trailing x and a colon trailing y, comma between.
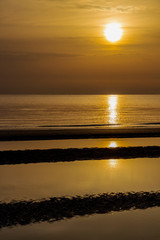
x: 83, y: 125
x: 96, y: 125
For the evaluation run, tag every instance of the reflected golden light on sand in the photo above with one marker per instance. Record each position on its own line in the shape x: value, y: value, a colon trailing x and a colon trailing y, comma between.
x: 112, y: 102
x: 112, y: 145
x: 113, y: 163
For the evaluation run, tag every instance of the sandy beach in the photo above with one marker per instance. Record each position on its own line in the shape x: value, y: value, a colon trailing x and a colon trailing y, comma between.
x: 46, y: 134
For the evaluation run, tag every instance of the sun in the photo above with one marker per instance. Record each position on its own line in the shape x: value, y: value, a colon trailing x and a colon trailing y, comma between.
x: 113, y: 32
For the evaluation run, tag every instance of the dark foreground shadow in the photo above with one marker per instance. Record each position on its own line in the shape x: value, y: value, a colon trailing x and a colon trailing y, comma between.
x: 55, y: 209
x: 73, y: 154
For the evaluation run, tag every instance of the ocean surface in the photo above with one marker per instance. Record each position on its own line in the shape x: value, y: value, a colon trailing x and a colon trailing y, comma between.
x: 79, y: 111
x: 123, y: 217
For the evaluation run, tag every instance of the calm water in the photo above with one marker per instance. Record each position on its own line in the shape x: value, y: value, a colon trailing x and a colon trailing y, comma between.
x: 33, y: 111
x: 36, y: 181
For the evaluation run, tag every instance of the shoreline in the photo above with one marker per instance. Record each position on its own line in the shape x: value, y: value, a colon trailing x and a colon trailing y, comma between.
x: 55, y: 134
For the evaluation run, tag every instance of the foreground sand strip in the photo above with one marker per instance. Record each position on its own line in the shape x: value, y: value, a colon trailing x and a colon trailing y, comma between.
x: 54, y: 209
x: 73, y: 154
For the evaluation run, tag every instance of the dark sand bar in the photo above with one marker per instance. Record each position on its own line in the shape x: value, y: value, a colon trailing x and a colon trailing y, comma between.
x: 73, y: 154
x: 55, y: 209
x: 46, y: 134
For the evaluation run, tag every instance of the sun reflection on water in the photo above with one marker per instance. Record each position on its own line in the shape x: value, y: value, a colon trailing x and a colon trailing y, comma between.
x: 112, y: 144
x: 112, y: 108
x: 113, y: 163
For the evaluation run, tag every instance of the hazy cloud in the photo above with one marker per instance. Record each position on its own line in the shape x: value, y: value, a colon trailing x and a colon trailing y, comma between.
x: 20, y: 56
x: 102, y: 5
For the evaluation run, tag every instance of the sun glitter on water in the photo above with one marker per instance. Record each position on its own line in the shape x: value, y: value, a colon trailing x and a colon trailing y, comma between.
x: 113, y: 32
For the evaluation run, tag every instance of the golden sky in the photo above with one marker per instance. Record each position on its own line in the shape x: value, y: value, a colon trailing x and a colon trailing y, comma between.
x: 58, y: 46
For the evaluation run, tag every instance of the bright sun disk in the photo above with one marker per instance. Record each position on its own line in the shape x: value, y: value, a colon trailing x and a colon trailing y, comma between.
x: 113, y: 32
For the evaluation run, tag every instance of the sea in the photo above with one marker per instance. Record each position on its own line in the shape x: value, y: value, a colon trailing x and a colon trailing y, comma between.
x: 30, y: 192
x: 79, y: 111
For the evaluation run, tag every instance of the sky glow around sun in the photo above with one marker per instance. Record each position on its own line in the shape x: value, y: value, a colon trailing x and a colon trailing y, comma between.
x: 84, y: 47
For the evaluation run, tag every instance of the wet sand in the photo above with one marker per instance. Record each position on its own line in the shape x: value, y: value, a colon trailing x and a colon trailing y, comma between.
x: 46, y: 134
x: 73, y: 154
x: 55, y: 209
